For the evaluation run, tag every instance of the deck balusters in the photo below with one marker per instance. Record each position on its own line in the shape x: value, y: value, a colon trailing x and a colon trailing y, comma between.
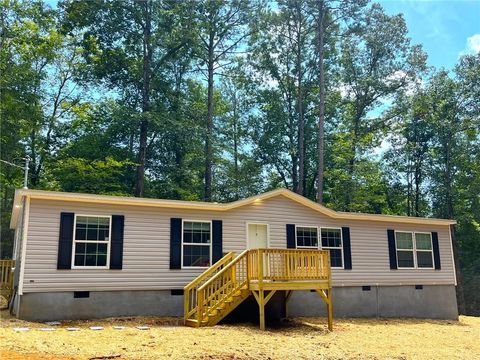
x: 6, y: 277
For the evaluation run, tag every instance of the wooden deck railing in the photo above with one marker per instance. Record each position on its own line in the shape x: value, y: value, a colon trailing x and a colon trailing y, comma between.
x: 190, y: 291
x: 288, y: 265
x: 228, y: 282
x: 6, y: 278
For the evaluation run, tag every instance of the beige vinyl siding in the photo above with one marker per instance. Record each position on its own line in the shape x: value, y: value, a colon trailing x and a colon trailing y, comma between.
x: 146, y: 254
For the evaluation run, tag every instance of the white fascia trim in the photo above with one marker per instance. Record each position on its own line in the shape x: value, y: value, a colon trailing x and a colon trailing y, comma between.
x: 178, y: 204
x: 453, y: 257
x: 24, y: 244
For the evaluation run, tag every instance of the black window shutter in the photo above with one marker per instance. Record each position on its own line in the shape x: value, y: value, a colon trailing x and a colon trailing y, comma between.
x: 291, y: 243
x: 392, y: 250
x: 436, y: 251
x: 217, y: 240
x: 175, y: 243
x: 65, y: 241
x: 347, y: 252
x: 116, y: 244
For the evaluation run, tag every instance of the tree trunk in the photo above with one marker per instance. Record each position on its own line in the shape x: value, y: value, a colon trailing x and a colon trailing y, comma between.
x: 235, y: 147
x: 409, y: 187
x: 301, y: 119
x: 33, y: 155
x: 321, y: 103
x: 458, y: 272
x: 351, y: 165
x: 147, y: 57
x: 209, y: 133
x: 418, y: 180
x: 292, y: 136
x: 450, y: 215
x: 178, y: 134
x: 292, y: 124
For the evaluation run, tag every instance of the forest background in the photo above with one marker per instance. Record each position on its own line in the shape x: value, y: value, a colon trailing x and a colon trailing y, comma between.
x: 219, y: 100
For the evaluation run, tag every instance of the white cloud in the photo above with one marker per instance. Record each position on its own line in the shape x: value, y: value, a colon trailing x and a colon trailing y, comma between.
x: 473, y: 45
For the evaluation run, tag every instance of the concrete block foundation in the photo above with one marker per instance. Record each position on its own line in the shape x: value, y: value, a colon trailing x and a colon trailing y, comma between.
x: 428, y: 301
x: 99, y: 304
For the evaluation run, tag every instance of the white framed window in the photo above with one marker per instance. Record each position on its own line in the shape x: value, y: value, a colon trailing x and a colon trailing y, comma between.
x: 424, y: 250
x: 332, y: 240
x: 313, y: 237
x: 91, y: 242
x: 306, y: 237
x: 196, y: 243
x: 414, y: 250
x: 405, y: 251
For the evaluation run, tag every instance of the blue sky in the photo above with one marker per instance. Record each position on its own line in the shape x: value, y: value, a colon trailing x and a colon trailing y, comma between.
x: 446, y: 29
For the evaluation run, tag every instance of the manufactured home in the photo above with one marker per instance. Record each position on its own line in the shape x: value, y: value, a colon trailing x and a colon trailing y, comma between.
x: 91, y: 256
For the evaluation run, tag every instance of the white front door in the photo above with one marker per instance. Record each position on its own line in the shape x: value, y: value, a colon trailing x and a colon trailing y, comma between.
x: 257, y: 236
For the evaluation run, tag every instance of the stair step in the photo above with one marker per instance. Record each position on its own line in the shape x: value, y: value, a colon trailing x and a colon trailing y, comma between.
x: 194, y: 322
x: 221, y: 310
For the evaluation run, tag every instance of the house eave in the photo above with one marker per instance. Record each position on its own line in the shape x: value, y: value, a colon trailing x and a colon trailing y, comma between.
x: 17, y: 207
x: 198, y: 205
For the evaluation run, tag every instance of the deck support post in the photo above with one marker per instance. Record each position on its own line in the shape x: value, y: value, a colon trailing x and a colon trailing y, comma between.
x: 261, y: 304
x: 326, y: 295
x: 288, y: 293
x: 330, y: 310
x: 262, y: 300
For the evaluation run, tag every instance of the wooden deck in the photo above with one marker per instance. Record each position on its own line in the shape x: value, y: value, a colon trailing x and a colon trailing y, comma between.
x: 261, y: 272
x: 6, y: 278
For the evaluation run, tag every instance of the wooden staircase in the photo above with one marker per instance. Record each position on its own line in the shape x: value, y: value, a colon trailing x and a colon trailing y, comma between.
x: 261, y: 272
x: 216, y: 292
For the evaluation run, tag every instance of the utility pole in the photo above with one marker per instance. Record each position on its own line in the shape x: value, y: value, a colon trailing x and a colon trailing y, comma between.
x: 25, y: 178
x: 25, y: 169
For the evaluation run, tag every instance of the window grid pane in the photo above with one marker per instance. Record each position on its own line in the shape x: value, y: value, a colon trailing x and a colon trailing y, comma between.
x: 196, y: 232
x: 196, y: 243
x: 307, y: 237
x: 424, y: 259
x: 331, y: 238
x: 332, y: 241
x: 423, y: 241
x: 405, y: 258
x: 196, y: 255
x: 91, y: 241
x: 414, y: 250
x: 336, y: 258
x: 404, y: 240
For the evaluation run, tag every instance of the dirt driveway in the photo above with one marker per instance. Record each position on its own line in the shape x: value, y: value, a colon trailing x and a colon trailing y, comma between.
x: 305, y: 338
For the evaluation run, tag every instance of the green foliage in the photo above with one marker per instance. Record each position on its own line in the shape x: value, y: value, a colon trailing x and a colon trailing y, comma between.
x: 94, y: 176
x: 28, y: 51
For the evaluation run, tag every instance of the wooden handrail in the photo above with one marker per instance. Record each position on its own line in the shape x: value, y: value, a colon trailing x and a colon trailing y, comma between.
x: 190, y: 290
x: 225, y: 269
x: 288, y: 265
x: 227, y: 258
x: 223, y: 285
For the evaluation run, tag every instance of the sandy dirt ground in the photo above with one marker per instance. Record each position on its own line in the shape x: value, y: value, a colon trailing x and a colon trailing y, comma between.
x: 302, y: 338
